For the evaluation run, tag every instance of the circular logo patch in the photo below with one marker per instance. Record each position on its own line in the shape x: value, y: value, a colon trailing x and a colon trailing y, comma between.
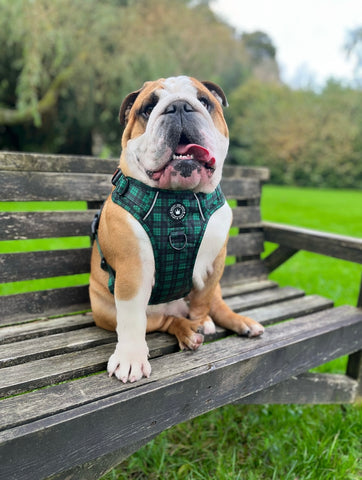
x: 177, y: 211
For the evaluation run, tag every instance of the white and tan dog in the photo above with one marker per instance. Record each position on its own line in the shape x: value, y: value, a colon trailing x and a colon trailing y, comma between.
x: 175, y: 139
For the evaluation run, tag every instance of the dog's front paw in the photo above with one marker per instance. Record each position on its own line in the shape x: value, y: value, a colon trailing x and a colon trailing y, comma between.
x: 129, y: 362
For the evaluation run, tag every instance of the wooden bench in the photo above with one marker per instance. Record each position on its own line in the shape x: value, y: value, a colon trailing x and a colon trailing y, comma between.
x: 62, y: 417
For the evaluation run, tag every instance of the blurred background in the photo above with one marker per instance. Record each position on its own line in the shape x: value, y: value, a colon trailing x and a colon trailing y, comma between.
x: 66, y: 65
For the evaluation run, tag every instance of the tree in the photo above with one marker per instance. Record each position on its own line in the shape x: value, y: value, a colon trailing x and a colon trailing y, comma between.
x: 68, y: 64
x: 353, y: 47
x: 305, y: 138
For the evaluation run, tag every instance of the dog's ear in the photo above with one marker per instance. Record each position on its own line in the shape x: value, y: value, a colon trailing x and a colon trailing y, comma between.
x: 217, y: 92
x: 126, y: 107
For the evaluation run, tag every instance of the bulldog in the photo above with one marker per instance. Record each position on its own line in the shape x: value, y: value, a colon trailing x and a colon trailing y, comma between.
x: 161, y: 235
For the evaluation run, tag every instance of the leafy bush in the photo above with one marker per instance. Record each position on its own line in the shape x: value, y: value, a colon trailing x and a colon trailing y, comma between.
x: 305, y: 138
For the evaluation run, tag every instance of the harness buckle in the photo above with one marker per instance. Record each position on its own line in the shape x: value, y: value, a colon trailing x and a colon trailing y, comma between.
x: 95, y: 224
x: 116, y: 176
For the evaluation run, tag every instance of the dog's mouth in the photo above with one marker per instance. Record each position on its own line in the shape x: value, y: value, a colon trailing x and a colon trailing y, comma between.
x: 186, y: 160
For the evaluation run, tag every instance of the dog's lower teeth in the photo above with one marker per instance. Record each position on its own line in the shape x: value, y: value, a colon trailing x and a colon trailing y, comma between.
x: 182, y: 157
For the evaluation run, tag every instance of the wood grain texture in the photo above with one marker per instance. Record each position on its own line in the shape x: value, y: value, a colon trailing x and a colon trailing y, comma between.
x: 44, y: 186
x: 278, y: 257
x: 307, y: 388
x: 338, y: 246
x: 28, y: 225
x: 15, y: 267
x: 67, y: 363
x: 24, y: 307
x: 186, y: 386
x: 246, y: 244
x: 37, y: 162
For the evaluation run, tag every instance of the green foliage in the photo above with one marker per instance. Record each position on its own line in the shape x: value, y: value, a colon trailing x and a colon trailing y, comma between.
x: 68, y: 64
x: 305, y: 138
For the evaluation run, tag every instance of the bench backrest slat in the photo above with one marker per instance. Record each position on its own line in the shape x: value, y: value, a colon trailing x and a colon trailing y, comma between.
x: 35, y: 225
x: 43, y: 304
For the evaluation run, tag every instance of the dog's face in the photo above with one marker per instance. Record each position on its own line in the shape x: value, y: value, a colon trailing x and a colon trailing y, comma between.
x: 175, y: 134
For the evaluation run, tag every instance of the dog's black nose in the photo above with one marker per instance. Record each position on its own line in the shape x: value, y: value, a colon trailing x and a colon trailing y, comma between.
x: 179, y: 106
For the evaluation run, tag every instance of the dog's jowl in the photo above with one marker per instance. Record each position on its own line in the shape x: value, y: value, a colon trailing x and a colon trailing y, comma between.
x: 160, y: 240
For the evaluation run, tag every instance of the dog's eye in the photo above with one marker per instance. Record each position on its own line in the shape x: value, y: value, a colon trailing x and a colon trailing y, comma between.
x: 205, y: 102
x: 147, y: 110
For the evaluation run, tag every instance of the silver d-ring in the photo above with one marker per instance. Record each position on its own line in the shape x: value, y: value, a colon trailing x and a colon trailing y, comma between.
x: 178, y: 234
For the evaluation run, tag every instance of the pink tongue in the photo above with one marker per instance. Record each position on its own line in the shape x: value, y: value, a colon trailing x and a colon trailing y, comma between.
x: 200, y: 153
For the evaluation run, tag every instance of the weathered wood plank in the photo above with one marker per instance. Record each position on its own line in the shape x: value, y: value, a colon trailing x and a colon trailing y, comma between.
x: 278, y: 257
x: 86, y: 390
x: 194, y: 383
x: 40, y: 162
x: 93, y: 470
x: 15, y: 267
x: 27, y: 225
x: 246, y: 217
x: 263, y: 298
x: 52, y: 345
x: 307, y: 388
x: 237, y: 171
x: 338, y: 246
x: 287, y: 309
x: 38, y: 373
x: 354, y: 370
x: 24, y: 307
x: 246, y: 244
x: 240, y: 289
x: 41, y: 328
x: 244, y: 272
x: 44, y: 186
x: 239, y: 189
x: 73, y: 333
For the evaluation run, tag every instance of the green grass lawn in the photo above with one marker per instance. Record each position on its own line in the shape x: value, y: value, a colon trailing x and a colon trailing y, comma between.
x: 251, y: 442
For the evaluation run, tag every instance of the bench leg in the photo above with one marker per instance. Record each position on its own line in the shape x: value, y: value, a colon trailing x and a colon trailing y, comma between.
x: 354, y: 367
x: 99, y: 467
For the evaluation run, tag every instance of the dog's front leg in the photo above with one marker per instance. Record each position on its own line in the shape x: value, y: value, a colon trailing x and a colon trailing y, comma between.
x: 130, y: 358
x: 133, y: 286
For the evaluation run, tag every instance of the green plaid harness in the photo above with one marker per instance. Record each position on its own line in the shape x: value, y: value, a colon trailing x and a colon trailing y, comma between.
x: 175, y: 222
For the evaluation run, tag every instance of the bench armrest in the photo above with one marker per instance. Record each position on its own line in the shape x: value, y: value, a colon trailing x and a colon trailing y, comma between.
x: 292, y: 239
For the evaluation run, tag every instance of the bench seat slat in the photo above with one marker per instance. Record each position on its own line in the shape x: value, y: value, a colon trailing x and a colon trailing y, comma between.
x: 223, y: 372
x: 263, y: 298
x: 52, y: 345
x: 76, y: 325
x: 41, y: 372
x: 287, y: 309
x: 41, y: 328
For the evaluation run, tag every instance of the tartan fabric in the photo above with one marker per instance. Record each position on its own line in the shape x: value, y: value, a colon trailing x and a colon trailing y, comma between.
x: 175, y: 222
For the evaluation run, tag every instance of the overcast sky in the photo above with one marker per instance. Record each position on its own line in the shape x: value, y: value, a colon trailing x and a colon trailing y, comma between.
x: 309, y: 34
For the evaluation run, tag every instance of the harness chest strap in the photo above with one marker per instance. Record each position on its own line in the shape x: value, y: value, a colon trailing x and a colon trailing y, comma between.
x: 175, y: 222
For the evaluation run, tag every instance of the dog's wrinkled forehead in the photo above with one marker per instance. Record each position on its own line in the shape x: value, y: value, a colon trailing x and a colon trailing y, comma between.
x: 183, y: 87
